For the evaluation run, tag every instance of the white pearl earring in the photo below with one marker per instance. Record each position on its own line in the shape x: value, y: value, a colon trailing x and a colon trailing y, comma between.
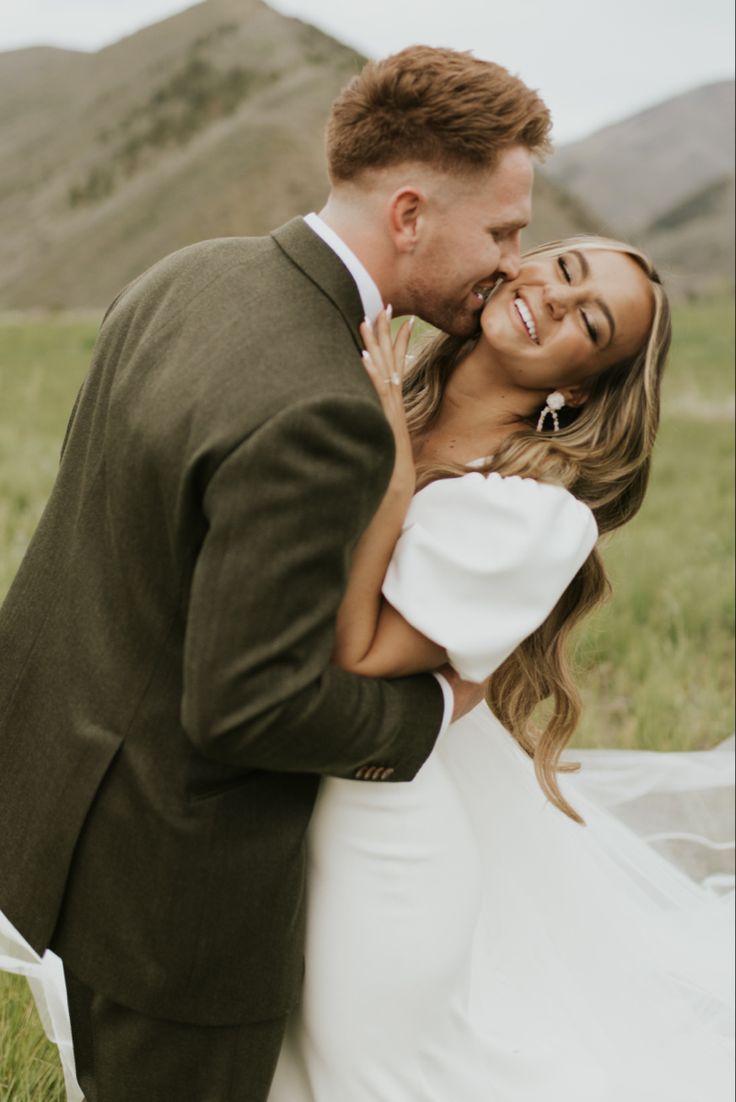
x: 555, y: 401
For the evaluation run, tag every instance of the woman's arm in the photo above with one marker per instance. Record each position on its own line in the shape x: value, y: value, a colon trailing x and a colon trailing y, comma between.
x: 371, y: 637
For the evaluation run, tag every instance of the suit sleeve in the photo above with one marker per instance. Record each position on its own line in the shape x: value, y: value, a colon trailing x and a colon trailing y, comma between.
x: 284, y: 511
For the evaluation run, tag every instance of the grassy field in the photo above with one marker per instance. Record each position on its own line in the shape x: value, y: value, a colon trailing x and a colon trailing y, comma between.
x: 656, y: 663
x: 29, y: 1064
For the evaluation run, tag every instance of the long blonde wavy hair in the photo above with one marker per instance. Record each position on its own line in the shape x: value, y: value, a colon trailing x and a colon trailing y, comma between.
x: 602, y: 455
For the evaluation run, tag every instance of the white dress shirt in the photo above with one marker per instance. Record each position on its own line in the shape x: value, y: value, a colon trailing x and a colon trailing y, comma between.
x: 372, y: 302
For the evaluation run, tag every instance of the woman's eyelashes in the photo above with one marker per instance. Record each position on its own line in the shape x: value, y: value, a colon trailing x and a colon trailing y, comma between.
x: 567, y: 276
x: 592, y: 331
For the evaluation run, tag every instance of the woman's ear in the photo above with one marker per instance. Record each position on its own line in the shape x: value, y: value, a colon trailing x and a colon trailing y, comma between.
x: 575, y: 396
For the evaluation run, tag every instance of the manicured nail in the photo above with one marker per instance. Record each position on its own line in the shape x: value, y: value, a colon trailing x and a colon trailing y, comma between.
x: 389, y: 311
x: 367, y: 322
x: 366, y: 356
x: 411, y: 323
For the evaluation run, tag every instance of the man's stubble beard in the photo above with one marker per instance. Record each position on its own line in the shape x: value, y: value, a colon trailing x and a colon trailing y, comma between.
x: 458, y: 320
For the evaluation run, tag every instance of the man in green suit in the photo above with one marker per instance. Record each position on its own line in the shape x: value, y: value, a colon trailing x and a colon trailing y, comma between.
x: 167, y: 701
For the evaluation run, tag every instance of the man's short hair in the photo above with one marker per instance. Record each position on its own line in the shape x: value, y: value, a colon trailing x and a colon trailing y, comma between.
x: 439, y: 106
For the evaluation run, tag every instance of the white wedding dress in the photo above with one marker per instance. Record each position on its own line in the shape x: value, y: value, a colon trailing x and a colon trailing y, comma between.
x: 467, y: 942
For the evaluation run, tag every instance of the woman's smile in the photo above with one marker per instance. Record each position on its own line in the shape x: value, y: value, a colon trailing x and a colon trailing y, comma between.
x: 523, y: 316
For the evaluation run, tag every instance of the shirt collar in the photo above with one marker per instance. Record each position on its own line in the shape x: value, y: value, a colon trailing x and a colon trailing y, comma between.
x: 370, y: 296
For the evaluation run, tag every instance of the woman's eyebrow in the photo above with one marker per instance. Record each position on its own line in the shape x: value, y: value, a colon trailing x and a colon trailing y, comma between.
x: 585, y: 271
x: 582, y: 261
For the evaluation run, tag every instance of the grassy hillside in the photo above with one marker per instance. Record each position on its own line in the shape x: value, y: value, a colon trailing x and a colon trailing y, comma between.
x: 693, y: 242
x: 207, y: 124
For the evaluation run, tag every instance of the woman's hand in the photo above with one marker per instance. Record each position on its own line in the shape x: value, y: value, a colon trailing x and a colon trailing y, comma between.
x: 384, y: 361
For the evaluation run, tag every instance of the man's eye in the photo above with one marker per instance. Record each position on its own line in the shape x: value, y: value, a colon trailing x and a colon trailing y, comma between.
x: 564, y: 268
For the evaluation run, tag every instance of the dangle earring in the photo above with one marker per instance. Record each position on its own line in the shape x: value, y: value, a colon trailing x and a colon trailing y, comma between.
x: 555, y: 401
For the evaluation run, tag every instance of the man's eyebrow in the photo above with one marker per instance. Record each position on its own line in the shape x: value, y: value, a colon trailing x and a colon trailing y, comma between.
x: 585, y: 269
x: 506, y: 227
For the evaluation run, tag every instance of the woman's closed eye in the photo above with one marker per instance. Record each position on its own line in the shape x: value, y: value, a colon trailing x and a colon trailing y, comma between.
x: 589, y: 325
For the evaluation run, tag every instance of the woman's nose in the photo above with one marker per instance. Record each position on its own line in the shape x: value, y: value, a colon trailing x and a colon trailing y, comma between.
x: 558, y: 299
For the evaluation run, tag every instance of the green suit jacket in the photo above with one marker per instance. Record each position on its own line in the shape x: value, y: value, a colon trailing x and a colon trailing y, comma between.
x: 167, y: 702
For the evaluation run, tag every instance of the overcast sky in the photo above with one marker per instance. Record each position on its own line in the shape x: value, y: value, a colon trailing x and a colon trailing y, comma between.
x: 594, y: 61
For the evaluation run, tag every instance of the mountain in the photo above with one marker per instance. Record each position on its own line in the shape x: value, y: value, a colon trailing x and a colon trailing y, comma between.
x: 206, y: 124
x: 557, y: 213
x: 209, y: 123
x: 665, y: 177
x: 633, y: 171
x: 693, y: 242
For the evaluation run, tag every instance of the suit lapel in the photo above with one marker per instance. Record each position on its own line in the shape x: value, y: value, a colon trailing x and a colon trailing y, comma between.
x: 319, y: 264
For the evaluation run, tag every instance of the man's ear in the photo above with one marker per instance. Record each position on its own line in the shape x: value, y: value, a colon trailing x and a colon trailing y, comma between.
x: 406, y: 217
x: 575, y: 396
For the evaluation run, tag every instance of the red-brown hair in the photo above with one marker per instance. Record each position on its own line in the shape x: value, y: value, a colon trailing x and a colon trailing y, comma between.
x: 438, y: 106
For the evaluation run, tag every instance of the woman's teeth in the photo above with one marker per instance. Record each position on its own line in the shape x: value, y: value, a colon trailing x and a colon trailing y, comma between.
x: 526, y: 317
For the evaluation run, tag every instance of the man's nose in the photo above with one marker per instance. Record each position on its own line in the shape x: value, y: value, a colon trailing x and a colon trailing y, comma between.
x: 509, y: 264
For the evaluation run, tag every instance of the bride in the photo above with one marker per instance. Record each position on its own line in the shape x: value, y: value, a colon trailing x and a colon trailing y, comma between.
x: 487, y: 933
x: 490, y: 932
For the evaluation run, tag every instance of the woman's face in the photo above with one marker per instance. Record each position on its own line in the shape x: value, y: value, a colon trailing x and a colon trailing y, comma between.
x: 567, y: 318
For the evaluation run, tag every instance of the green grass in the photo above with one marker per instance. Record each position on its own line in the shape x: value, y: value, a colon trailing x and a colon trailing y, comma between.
x: 29, y: 1065
x: 658, y: 659
x: 657, y: 662
x: 699, y: 379
x: 41, y: 367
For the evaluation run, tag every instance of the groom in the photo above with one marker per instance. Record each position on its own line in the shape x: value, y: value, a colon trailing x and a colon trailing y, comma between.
x: 167, y: 702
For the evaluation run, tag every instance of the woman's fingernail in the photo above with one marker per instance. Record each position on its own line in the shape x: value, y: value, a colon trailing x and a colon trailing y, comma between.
x: 411, y: 323
x: 367, y: 323
x: 366, y: 356
x: 389, y: 311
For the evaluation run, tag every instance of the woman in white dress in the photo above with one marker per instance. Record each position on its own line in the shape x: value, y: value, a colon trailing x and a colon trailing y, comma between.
x: 468, y: 940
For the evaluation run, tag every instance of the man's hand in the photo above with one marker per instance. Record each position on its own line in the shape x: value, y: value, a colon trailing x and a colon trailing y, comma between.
x: 468, y: 694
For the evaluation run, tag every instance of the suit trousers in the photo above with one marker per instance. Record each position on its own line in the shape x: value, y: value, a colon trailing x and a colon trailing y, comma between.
x: 124, y: 1056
